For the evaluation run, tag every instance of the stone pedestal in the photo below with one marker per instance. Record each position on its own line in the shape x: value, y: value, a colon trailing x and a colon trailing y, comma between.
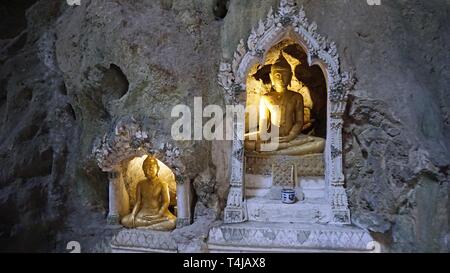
x: 306, y: 166
x: 266, y: 176
x: 285, y: 237
x: 283, y: 172
x: 143, y: 241
x: 267, y: 211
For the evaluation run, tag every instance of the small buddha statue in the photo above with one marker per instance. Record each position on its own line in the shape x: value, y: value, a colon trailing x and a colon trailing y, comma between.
x: 284, y: 109
x: 151, y: 210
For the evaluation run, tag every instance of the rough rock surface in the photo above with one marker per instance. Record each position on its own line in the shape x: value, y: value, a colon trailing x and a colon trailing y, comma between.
x: 67, y: 73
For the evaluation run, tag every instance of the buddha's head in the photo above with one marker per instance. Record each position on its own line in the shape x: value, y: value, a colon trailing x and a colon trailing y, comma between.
x: 150, y: 167
x: 280, y: 74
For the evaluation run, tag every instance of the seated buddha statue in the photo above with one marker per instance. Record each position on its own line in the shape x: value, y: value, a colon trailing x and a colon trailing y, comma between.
x: 282, y: 110
x: 151, y: 210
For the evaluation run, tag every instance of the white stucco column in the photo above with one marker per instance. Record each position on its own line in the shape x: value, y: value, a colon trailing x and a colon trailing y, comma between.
x: 118, y: 197
x: 184, y: 202
x: 236, y: 209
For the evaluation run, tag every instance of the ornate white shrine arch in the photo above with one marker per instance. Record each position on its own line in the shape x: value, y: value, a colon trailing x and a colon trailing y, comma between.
x: 128, y: 140
x: 289, y: 22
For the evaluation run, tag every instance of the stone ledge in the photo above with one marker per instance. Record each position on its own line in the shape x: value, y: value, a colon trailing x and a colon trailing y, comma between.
x: 252, y: 237
x: 142, y: 240
x: 284, y: 237
x: 308, y: 211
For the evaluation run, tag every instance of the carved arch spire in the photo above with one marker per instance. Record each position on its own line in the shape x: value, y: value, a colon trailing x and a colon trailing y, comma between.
x: 289, y: 19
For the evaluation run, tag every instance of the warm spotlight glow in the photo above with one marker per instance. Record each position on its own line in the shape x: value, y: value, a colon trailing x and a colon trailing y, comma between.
x: 134, y: 174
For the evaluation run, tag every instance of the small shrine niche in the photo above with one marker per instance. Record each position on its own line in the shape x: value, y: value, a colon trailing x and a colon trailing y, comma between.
x: 139, y: 172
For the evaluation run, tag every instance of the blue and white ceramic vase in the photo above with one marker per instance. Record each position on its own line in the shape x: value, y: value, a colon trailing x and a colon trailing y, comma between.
x: 288, y: 196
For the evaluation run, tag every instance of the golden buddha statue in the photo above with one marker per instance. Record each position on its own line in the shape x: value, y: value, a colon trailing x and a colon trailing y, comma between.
x: 283, y: 110
x: 151, y: 210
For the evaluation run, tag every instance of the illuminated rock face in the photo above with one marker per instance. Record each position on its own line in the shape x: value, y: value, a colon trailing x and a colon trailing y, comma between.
x: 75, y: 70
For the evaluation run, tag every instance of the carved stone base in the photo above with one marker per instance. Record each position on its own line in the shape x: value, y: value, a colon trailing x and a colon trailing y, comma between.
x: 253, y: 237
x: 309, y: 211
x: 235, y: 215
x: 113, y: 219
x: 340, y: 217
x: 183, y: 222
x: 307, y: 165
x: 285, y: 237
x: 142, y: 241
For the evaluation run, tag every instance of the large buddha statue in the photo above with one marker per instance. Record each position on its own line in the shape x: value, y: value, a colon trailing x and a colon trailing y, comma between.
x: 282, y: 110
x: 151, y: 210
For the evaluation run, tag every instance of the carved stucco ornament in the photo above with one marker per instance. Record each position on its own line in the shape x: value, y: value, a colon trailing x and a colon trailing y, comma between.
x: 127, y: 140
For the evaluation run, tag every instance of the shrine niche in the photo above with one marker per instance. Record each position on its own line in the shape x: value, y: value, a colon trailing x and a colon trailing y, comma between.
x: 289, y: 95
x: 292, y: 75
x: 128, y: 154
x: 291, y: 24
x: 307, y: 80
